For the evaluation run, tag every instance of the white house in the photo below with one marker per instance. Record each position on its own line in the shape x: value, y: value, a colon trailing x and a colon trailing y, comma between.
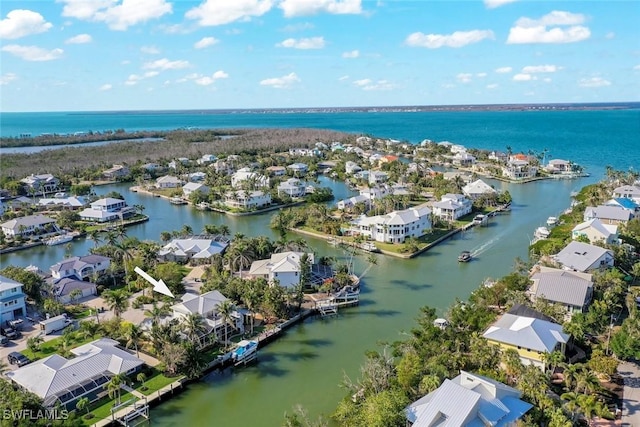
x: 168, y: 181
x: 558, y: 166
x: 624, y: 203
x: 276, y: 170
x: 351, y: 167
x: 596, y: 231
x: 292, y: 187
x: 247, y: 200
x: 352, y: 201
x: 41, y: 183
x: 468, y: 400
x: 629, y: 191
x: 378, y: 177
x: 283, y: 267
x: 63, y: 289
x: 376, y: 192
x: 452, y: 206
x: 477, y: 188
x: 12, y: 300
x: 608, y: 214
x: 298, y: 169
x: 80, y: 267
x: 192, y: 187
x: 394, y: 227
x: 206, y: 158
x: 196, y: 248
x: 518, y: 169
x: 245, y: 174
x: 26, y: 225
x: 463, y: 159
x: 116, y: 171
x: 584, y: 257
x: 72, y: 202
x: 60, y: 381
x: 197, y: 176
x: 107, y: 209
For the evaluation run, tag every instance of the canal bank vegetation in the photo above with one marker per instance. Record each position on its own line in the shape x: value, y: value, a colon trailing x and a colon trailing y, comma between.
x: 572, y: 389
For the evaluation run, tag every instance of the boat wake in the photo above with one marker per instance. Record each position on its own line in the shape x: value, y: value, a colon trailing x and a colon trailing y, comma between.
x: 485, y: 246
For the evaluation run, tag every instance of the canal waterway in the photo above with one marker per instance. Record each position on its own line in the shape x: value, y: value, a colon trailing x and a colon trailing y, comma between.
x: 306, y: 365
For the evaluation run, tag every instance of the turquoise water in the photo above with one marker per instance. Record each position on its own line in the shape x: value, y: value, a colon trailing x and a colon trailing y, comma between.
x: 307, y: 364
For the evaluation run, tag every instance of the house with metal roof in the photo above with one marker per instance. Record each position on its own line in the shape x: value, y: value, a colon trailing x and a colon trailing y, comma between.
x: 624, y: 203
x: 596, y: 231
x: 629, y: 191
x: 571, y: 289
x: 477, y: 189
x: 452, y: 206
x: 584, y: 257
x: 468, y: 400
x: 80, y: 267
x: 65, y: 288
x: 12, y: 300
x: 394, y: 227
x: 58, y: 380
x: 107, y: 209
x: 192, y: 187
x: 283, y: 267
x: 30, y: 224
x: 168, y: 181
x: 614, y: 215
x: 292, y: 187
x: 194, y: 248
x: 530, y: 337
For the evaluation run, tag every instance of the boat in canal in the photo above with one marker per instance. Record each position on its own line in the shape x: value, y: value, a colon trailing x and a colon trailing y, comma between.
x: 59, y: 239
x: 246, y: 352
x: 552, y: 221
x: 465, y: 256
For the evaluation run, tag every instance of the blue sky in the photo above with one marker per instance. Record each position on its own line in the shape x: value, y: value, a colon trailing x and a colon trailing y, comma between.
x: 90, y: 55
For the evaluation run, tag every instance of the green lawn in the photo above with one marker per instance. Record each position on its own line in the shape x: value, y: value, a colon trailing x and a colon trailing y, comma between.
x: 48, y: 348
x: 155, y: 382
x: 101, y: 409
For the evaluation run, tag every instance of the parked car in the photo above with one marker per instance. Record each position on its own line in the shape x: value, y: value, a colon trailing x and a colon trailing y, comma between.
x: 10, y: 333
x: 4, y: 340
x: 19, y: 359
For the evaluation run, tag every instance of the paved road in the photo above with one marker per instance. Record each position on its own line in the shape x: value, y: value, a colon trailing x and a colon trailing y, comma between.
x: 631, y: 405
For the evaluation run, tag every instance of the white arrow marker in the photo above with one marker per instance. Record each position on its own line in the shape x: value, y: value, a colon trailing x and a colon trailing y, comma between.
x: 158, y: 285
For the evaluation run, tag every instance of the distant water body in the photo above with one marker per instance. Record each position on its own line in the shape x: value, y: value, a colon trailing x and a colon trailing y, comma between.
x: 592, y: 138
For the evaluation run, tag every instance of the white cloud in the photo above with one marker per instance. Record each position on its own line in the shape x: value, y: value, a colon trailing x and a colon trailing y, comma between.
x: 521, y: 77
x: 33, y: 53
x: 593, y: 82
x: 503, y: 70
x: 150, y: 74
x: 343, y: 78
x: 79, y: 39
x: 492, y: 86
x: 547, y: 80
x: 208, y: 80
x: 21, y: 22
x: 7, y: 78
x: 368, y: 84
x: 150, y: 50
x: 133, y: 79
x: 464, y: 77
x: 636, y: 68
x: 283, y: 82
x: 548, y: 29
x: 165, y: 64
x: 117, y: 14
x: 205, y: 42
x: 530, y: 69
x: 293, y: 8
x: 457, y: 39
x: 105, y: 87
x: 305, y: 43
x: 481, y: 75
x: 492, y: 4
x: 351, y: 54
x: 292, y: 28
x: 219, y: 12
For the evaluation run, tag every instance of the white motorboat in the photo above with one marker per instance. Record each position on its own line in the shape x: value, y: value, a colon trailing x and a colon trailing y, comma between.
x: 552, y: 221
x: 58, y: 240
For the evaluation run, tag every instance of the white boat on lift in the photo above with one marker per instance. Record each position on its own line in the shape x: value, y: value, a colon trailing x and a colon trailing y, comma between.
x: 552, y: 221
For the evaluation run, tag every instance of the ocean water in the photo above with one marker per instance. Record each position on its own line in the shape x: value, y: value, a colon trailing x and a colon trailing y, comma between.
x: 591, y: 138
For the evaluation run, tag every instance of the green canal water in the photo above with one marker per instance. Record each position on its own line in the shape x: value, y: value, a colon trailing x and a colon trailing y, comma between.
x: 306, y: 365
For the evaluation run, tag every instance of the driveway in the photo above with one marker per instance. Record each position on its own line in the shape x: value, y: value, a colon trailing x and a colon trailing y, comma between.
x: 631, y: 402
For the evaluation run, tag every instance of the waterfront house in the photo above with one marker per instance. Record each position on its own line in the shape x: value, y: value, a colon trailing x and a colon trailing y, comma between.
x: 63, y: 289
x: 197, y: 176
x: 116, y: 171
x: 247, y: 200
x: 477, y: 189
x: 629, y: 191
x: 30, y: 224
x: 498, y: 156
x: 206, y: 158
x: 192, y: 187
x: 531, y: 337
x: 463, y: 159
x: 351, y: 167
x: 168, y: 181
x: 452, y: 206
x: 376, y: 192
x: 571, y: 289
x: 614, y: 215
x: 107, y: 209
x: 394, y: 227
x: 253, y: 179
x: 12, y: 300
x: 519, y: 168
x: 61, y: 381
x: 276, y: 170
x: 596, y: 231
x: 352, y: 201
x: 41, y: 183
x: 292, y: 187
x: 196, y: 248
x: 151, y: 167
x: 558, y: 166
x: 468, y: 400
x: 378, y: 177
x: 298, y: 169
x: 625, y: 203
x: 584, y: 257
x: 282, y: 267
x: 72, y: 202
x: 80, y: 267
x: 207, y: 306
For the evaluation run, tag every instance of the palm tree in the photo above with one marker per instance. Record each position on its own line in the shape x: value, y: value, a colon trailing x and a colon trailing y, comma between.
x: 225, y: 310
x: 133, y: 334
x: 114, y: 385
x: 194, y: 326
x: 95, y: 236
x: 83, y: 403
x: 125, y: 256
x: 156, y: 313
x: 75, y: 295
x: 117, y: 302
